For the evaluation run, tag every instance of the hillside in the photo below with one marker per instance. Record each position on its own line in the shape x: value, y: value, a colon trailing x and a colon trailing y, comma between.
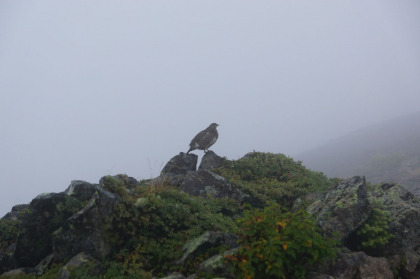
x: 261, y: 216
x: 389, y: 151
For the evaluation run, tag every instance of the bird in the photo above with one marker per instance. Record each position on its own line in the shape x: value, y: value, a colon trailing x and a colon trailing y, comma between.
x: 205, y: 138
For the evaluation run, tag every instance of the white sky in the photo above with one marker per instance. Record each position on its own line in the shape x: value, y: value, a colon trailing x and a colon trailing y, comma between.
x: 91, y: 88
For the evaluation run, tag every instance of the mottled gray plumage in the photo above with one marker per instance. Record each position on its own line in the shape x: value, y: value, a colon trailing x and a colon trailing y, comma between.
x: 205, y: 138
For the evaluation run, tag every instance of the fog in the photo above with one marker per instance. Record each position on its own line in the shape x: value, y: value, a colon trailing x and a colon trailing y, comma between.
x: 94, y: 88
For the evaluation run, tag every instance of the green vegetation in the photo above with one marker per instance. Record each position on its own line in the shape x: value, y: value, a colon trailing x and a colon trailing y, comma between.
x: 151, y: 223
x: 279, y: 244
x: 374, y: 233
x: 274, y: 177
x: 150, y: 227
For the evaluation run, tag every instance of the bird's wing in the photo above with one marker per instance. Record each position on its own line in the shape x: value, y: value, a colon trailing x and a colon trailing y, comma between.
x: 198, y: 137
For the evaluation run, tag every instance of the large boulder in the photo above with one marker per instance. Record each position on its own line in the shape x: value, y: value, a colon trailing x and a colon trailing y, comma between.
x: 211, y: 161
x: 81, y: 190
x: 181, y: 164
x: 84, y: 231
x: 404, y: 209
x: 205, y: 183
x: 174, y: 171
x: 343, y: 209
x: 355, y: 265
x: 46, y: 213
x: 77, y: 261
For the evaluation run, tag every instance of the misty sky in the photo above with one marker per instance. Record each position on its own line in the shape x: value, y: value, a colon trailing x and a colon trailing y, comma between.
x: 94, y: 88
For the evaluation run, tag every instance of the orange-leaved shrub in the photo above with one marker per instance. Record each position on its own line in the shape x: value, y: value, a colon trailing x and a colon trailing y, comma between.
x: 279, y: 244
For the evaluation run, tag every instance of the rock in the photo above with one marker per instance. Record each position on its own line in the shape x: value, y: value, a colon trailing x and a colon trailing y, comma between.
x: 357, y: 265
x: 16, y: 212
x: 46, y: 213
x: 84, y: 231
x: 211, y: 161
x: 181, y: 164
x: 6, y: 263
x: 44, y: 265
x: 174, y: 171
x: 18, y: 273
x: 81, y: 190
x: 79, y: 260
x: 166, y: 179
x: 174, y: 275
x: 205, y: 242
x: 343, y: 209
x: 404, y: 209
x: 217, y: 265
x: 205, y: 183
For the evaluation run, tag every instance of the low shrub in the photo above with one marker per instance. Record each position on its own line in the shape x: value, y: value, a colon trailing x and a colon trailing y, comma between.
x: 279, y: 244
x: 151, y: 227
x: 273, y: 177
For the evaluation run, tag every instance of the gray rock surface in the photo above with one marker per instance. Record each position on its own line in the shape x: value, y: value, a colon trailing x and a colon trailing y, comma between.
x: 343, y: 209
x: 205, y: 183
x: 81, y: 190
x: 174, y: 171
x: 84, y: 231
x: 205, y: 242
x: 16, y: 212
x: 79, y: 260
x: 47, y: 213
x: 211, y: 161
x: 404, y: 209
x: 217, y: 265
x: 358, y: 265
x: 44, y: 264
x: 181, y: 164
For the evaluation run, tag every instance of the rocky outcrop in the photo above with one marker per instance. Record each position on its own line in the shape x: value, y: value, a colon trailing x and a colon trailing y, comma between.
x: 16, y: 212
x: 174, y: 171
x: 79, y: 260
x: 81, y: 190
x: 356, y: 265
x: 211, y: 161
x: 347, y: 206
x: 404, y: 209
x: 84, y: 231
x: 181, y: 164
x: 47, y: 213
x: 74, y: 224
x: 208, y: 184
x: 343, y: 209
